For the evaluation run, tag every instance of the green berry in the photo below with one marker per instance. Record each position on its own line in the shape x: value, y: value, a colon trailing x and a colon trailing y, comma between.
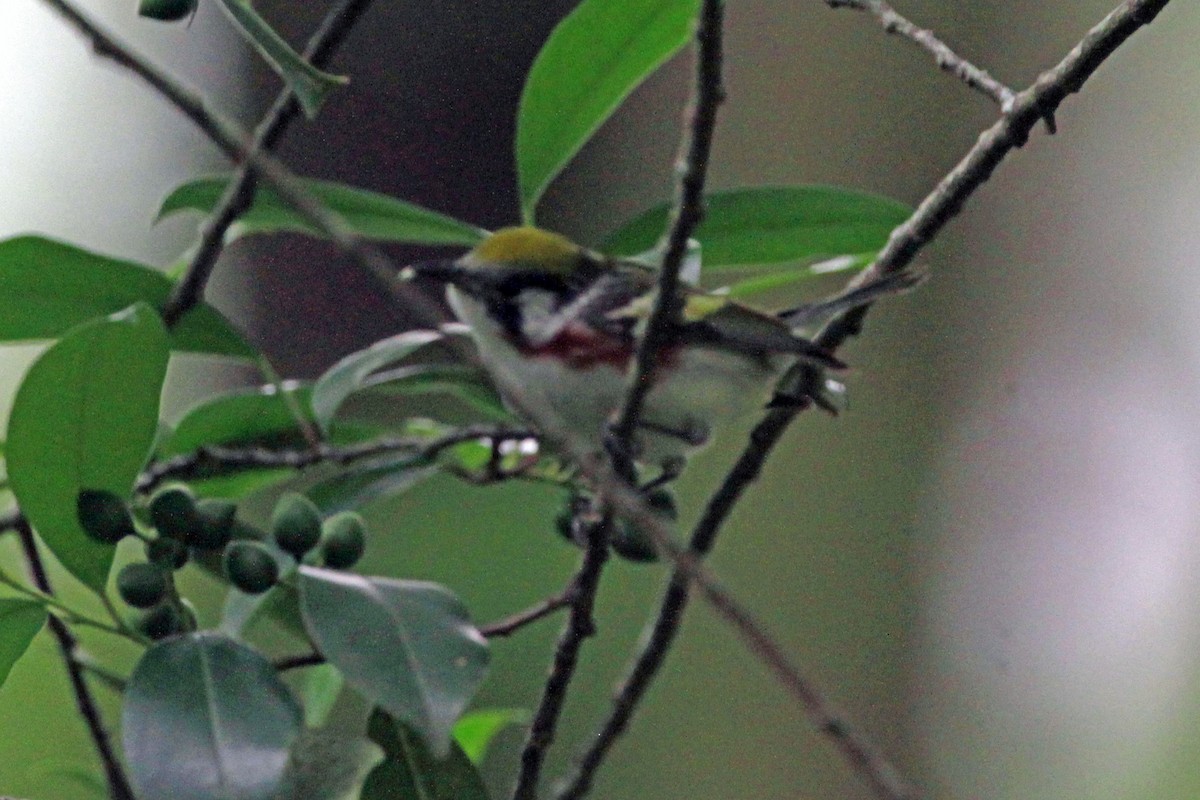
x: 173, y: 512
x: 103, y: 515
x: 142, y: 585
x: 215, y: 524
x: 662, y: 501
x: 250, y: 567
x: 631, y: 544
x: 160, y: 622
x: 167, y: 553
x: 343, y: 540
x: 167, y: 10
x: 296, y: 525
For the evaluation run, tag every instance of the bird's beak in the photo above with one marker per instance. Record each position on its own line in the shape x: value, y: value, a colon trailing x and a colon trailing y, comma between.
x: 472, y: 281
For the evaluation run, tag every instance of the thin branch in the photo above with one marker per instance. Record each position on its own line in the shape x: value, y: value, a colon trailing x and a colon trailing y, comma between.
x: 947, y: 59
x: 238, y: 196
x: 939, y: 207
x: 114, y: 773
x: 660, y: 634
x: 686, y: 214
x: 296, y: 662
x: 237, y: 145
x: 1041, y: 100
x: 235, y: 459
x: 579, y: 627
x: 515, y: 622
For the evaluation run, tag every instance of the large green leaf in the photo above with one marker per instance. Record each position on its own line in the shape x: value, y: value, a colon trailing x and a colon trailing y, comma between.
x: 20, y: 620
x: 406, y: 646
x: 47, y: 287
x: 590, y: 63
x: 369, y: 214
x: 466, y: 383
x: 773, y: 224
x: 310, y: 85
x: 206, y: 718
x: 85, y: 417
x: 410, y: 771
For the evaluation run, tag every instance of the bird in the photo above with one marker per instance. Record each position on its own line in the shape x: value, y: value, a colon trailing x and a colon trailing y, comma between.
x: 557, y: 325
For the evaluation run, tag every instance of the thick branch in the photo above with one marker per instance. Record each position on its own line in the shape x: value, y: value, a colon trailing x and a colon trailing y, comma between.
x: 114, y: 773
x: 947, y: 59
x: 240, y: 193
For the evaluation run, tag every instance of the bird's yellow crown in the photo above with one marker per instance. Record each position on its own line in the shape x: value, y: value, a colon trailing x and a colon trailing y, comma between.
x: 525, y: 246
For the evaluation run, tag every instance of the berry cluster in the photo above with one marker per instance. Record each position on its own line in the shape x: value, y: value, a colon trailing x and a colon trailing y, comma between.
x: 175, y: 526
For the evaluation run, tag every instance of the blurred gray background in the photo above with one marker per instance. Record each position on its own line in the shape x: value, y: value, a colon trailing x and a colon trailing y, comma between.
x: 988, y: 561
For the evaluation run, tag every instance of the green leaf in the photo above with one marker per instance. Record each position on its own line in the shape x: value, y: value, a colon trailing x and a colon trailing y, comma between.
x: 468, y: 384
x: 370, y: 479
x: 595, y: 57
x: 48, y: 287
x: 411, y: 772
x: 331, y: 761
x: 406, y: 646
x: 20, y: 620
x: 475, y: 731
x: 788, y: 275
x: 310, y: 85
x: 773, y: 224
x: 205, y: 718
x: 369, y: 214
x: 85, y: 417
x: 350, y: 373
x: 244, y: 417
x: 320, y: 691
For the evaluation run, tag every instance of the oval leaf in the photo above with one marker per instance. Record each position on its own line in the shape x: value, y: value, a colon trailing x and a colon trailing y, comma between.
x: 770, y: 225
x: 595, y: 57
x: 785, y: 277
x: 310, y: 85
x: 48, y: 287
x: 256, y: 416
x: 468, y: 384
x: 20, y: 620
x: 369, y: 214
x: 406, y: 646
x: 350, y: 373
x: 410, y: 772
x: 85, y: 417
x: 207, y: 719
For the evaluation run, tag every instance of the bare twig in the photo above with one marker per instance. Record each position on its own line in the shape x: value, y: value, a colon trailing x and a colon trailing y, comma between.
x: 947, y: 59
x: 579, y: 627
x: 686, y: 214
x: 296, y: 662
x: 240, y: 193
x: 515, y: 622
x: 236, y: 459
x: 114, y: 773
x: 237, y: 145
x: 906, y: 241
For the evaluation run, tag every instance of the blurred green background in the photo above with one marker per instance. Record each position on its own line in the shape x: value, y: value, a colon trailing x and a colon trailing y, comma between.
x: 987, y: 560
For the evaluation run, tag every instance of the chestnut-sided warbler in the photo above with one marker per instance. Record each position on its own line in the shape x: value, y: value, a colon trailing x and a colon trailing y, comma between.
x: 558, y: 324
